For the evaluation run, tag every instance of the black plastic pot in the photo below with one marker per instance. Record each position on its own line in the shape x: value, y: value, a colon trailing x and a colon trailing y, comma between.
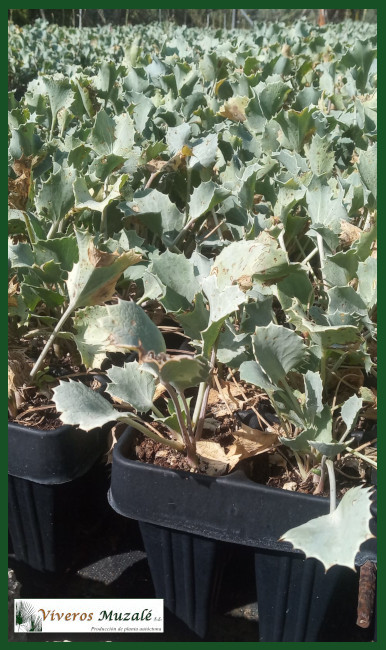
x: 56, y: 488
x: 185, y: 517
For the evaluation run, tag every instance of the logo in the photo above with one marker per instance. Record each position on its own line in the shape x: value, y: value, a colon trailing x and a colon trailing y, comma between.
x: 89, y: 615
x: 26, y: 617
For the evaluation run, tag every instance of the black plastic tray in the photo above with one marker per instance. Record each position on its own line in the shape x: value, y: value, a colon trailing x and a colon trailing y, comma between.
x: 228, y: 508
x: 52, y: 457
x: 57, y: 486
x: 186, y: 518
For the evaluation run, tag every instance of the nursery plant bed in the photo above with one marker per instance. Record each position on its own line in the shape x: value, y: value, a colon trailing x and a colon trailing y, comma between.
x: 185, y: 517
x: 57, y: 487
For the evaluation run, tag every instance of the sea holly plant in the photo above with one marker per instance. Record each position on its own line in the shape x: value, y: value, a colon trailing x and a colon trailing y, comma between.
x: 135, y: 385
x: 230, y: 184
x: 91, y: 281
x: 203, y: 298
x: 308, y: 422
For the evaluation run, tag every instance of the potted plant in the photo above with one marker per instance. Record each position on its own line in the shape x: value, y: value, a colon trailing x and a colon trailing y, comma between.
x: 245, y: 176
x: 50, y: 466
x: 237, y: 510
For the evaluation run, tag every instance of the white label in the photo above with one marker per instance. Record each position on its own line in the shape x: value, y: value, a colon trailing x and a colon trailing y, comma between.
x: 89, y: 615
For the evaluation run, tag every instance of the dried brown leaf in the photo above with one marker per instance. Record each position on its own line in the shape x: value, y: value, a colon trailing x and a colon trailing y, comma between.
x: 244, y: 445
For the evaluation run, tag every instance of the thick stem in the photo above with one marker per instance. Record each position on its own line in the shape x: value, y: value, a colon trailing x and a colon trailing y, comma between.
x: 362, y: 457
x: 310, y: 256
x: 280, y: 239
x: 320, y: 487
x: 52, y: 127
x: 54, y: 229
x: 188, y: 187
x: 217, y: 224
x: 319, y: 240
x: 187, y: 411
x: 332, y: 481
x: 143, y: 429
x: 308, y: 265
x: 323, y: 368
x: 29, y: 228
x: 104, y: 211
x: 302, y: 470
x: 157, y: 412
x: 201, y: 419
x: 51, y: 339
x: 143, y: 298
x: 201, y: 393
x: 197, y: 408
x: 190, y: 446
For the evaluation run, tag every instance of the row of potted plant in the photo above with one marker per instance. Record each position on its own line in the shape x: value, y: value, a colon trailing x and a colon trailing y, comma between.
x: 231, y: 189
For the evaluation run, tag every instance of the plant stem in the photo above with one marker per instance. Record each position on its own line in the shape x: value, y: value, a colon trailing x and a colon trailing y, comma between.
x: 188, y: 187
x: 188, y: 417
x: 308, y: 265
x: 197, y: 408
x: 143, y: 429
x: 319, y: 240
x: 156, y: 411
x: 302, y: 470
x: 331, y: 478
x: 52, y: 127
x: 201, y: 419
x: 29, y: 228
x: 190, y: 445
x: 217, y: 224
x: 201, y: 393
x: 320, y: 487
x: 104, y: 211
x: 362, y: 457
x: 323, y: 367
x: 280, y: 239
x: 310, y: 256
x: 54, y: 229
x: 182, y: 233
x: 51, y: 339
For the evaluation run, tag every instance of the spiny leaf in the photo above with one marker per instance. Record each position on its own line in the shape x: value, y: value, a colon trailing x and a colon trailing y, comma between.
x: 367, y: 281
x: 156, y: 210
x: 176, y: 273
x: 112, y: 135
x: 321, y: 157
x: 92, y: 279
x: 368, y: 168
x: 350, y: 411
x: 128, y: 327
x: 278, y: 350
x: 83, y: 198
x: 132, y: 385
x: 90, y: 338
x: 56, y: 196
x: 79, y: 405
x: 206, y: 196
x: 336, y: 538
x: 184, y: 372
x: 244, y: 260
